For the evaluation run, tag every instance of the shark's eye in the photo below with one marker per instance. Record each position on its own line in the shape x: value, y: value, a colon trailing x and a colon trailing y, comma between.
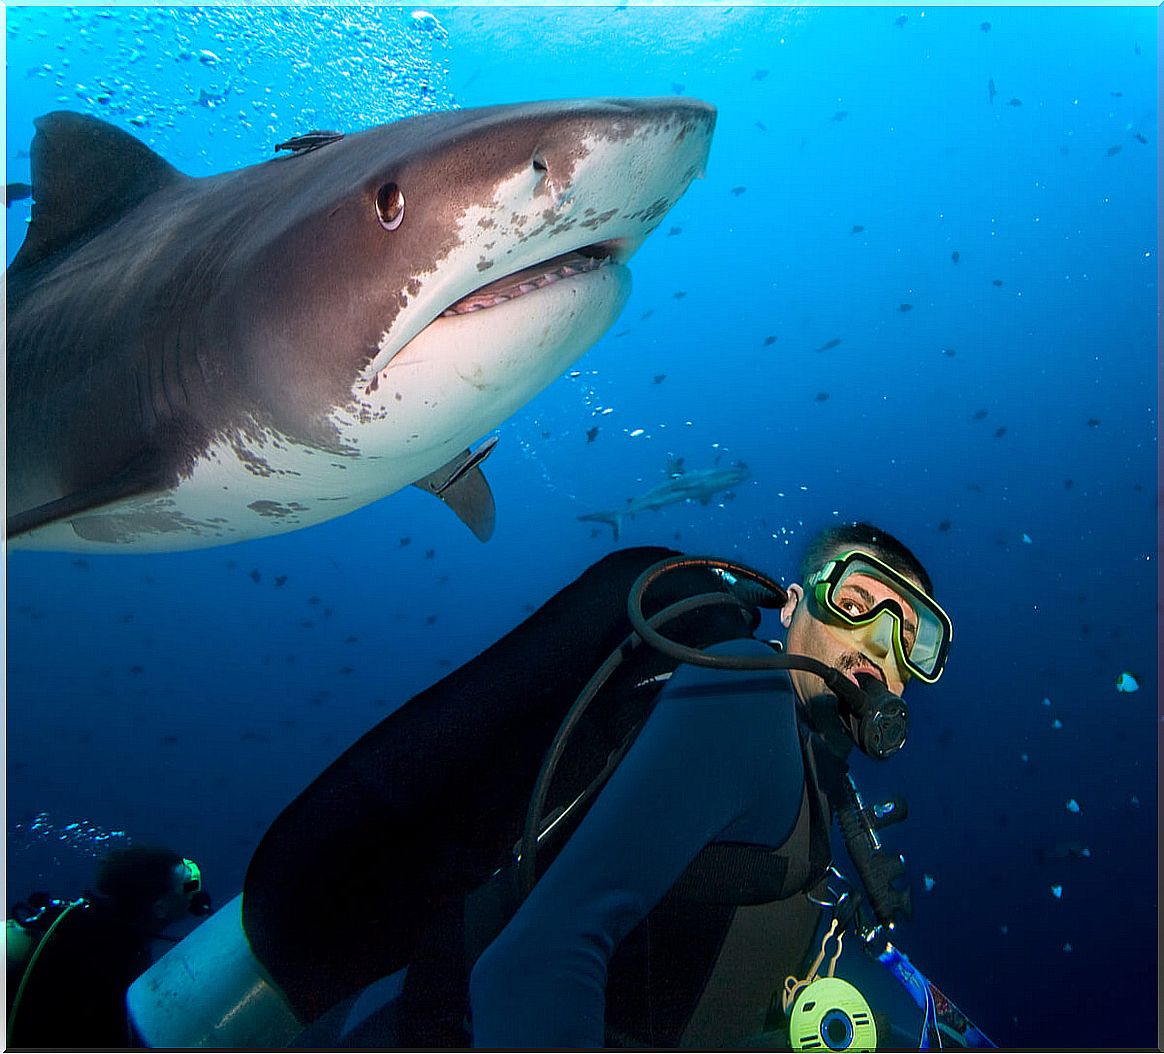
x: 390, y: 206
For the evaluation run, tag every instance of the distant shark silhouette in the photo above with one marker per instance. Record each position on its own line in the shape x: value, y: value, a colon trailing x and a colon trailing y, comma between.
x: 699, y: 485
x: 196, y: 361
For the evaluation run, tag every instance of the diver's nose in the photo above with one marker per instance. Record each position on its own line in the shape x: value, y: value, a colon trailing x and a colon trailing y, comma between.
x: 877, y: 636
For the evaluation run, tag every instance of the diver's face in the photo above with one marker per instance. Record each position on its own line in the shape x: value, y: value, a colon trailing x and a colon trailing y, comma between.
x: 850, y: 649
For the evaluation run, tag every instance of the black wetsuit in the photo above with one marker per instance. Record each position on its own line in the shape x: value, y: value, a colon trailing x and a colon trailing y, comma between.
x: 719, y: 760
x: 75, y: 994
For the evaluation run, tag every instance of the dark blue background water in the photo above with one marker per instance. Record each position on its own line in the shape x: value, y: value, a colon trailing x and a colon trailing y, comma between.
x: 186, y: 698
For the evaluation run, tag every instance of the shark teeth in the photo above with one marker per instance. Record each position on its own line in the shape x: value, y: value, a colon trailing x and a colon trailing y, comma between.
x: 533, y: 278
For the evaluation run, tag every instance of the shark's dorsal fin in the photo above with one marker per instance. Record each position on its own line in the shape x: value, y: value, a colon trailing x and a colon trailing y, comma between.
x: 86, y: 174
x: 462, y: 486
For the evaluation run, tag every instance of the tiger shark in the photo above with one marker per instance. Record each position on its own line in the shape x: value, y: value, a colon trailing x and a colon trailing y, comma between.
x: 199, y: 361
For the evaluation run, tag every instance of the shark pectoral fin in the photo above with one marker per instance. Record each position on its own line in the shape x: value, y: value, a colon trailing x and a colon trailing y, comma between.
x: 462, y: 486
x: 86, y: 174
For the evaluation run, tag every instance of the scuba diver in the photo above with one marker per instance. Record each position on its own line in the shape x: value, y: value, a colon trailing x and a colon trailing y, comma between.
x: 71, y: 961
x: 711, y: 810
x: 611, y: 827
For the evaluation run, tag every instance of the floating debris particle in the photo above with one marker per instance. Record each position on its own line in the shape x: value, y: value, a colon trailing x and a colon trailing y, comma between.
x: 1057, y: 892
x: 928, y: 881
x: 1126, y: 682
x: 1073, y: 805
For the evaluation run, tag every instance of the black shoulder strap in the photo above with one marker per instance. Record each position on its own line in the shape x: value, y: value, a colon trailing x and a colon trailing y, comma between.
x: 728, y: 873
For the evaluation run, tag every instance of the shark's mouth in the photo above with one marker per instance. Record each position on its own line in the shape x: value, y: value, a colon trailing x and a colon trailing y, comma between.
x: 531, y: 279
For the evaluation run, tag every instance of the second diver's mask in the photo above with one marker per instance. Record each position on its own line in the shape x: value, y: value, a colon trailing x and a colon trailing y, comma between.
x: 197, y: 899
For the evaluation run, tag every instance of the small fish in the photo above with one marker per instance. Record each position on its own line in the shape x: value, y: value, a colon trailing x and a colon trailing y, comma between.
x: 1113, y: 150
x: 256, y: 577
x: 900, y: 20
x: 769, y: 341
x: 822, y: 397
x: 429, y: 554
x: 840, y: 115
x: 979, y: 415
x: 680, y: 294
x: 762, y: 126
x: 1000, y: 432
x: 646, y: 314
x: 592, y: 434
x: 1093, y: 422
x: 678, y: 89
x: 304, y: 144
x: 16, y: 192
x: 759, y: 75
x: 949, y: 352
x: 280, y: 580
x: 674, y: 231
x: 1125, y: 682
x: 659, y: 378
x: 828, y: 345
x: 857, y: 229
x: 985, y: 27
x: 1015, y: 102
x: 431, y: 620
x: 991, y: 90
x: 945, y: 525
x: 1061, y: 852
x: 737, y: 191
x: 465, y: 467
x: 996, y: 282
x: 955, y: 256
x: 405, y: 541
x: 1068, y: 483
x: 1140, y: 138
x: 1117, y: 94
x: 904, y: 307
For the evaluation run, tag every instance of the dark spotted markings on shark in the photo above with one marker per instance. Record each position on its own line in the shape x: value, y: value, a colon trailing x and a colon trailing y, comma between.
x: 699, y: 485
x: 179, y: 376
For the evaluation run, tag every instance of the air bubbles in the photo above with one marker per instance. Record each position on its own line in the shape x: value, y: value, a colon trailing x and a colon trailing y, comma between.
x: 81, y: 836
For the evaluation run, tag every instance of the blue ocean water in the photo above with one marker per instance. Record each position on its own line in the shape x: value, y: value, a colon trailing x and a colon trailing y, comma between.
x: 1004, y: 426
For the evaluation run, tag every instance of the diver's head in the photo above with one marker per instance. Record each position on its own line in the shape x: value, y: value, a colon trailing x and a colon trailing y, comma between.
x: 150, y: 886
x: 864, y: 608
